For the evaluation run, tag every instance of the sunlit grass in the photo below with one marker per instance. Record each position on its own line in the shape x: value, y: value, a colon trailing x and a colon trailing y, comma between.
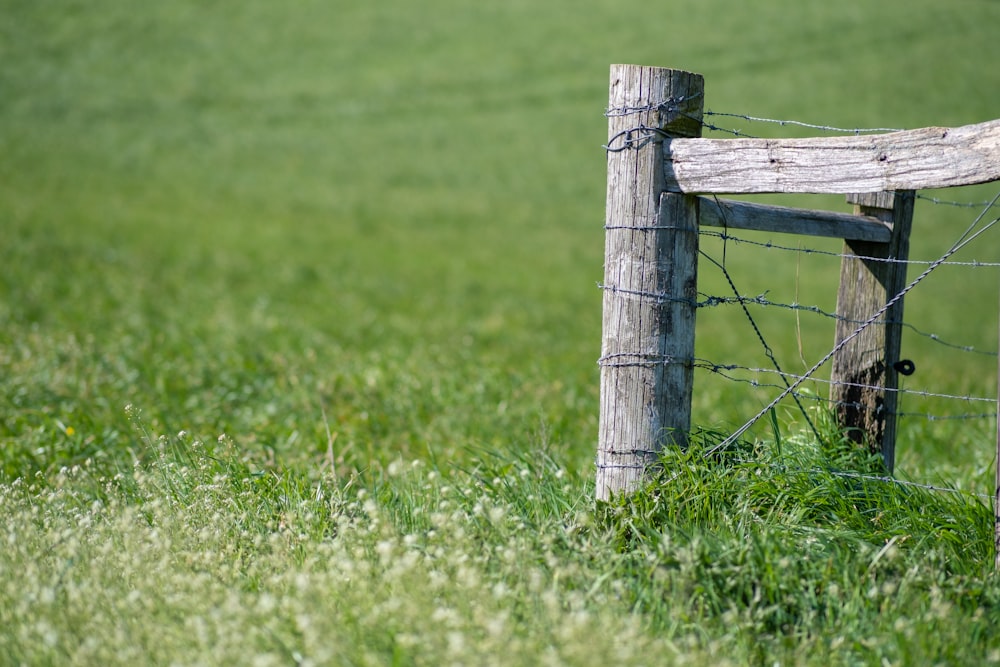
x: 342, y: 263
x: 203, y: 555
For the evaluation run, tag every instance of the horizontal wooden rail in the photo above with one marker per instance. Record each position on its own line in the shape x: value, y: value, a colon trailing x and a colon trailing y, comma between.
x: 716, y: 212
x: 932, y: 157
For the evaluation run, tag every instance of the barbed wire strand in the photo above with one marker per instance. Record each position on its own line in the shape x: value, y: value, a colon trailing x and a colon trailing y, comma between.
x: 770, y: 245
x: 671, y: 104
x: 903, y: 482
x: 967, y: 237
x: 760, y: 336
x: 798, y: 123
x: 935, y: 418
x: 851, y: 475
x: 762, y: 300
x: 910, y: 392
x: 960, y: 204
x: 757, y: 384
x: 869, y: 478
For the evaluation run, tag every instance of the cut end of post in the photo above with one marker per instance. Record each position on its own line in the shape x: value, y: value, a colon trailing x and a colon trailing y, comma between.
x: 666, y: 101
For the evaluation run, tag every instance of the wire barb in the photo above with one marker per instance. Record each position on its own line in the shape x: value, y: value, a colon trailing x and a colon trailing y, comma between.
x: 762, y: 300
x: 670, y: 105
x: 798, y: 123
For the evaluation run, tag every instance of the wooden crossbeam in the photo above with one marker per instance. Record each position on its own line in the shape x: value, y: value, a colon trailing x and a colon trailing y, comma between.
x: 732, y: 214
x: 932, y: 157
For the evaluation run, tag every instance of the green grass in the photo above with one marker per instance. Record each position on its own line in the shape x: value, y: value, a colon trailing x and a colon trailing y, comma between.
x: 201, y: 555
x: 362, y: 244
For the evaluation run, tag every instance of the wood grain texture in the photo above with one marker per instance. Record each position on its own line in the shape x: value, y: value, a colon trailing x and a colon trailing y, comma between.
x: 863, y: 376
x: 932, y: 157
x: 648, y: 329
x: 715, y: 212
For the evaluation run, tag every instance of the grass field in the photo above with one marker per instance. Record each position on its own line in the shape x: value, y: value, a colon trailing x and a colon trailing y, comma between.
x: 299, y: 332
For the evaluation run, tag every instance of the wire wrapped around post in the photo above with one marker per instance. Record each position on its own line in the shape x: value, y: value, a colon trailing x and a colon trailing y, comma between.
x: 650, y: 284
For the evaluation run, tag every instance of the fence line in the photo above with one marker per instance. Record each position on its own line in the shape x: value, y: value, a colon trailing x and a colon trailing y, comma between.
x: 653, y: 137
x: 967, y: 237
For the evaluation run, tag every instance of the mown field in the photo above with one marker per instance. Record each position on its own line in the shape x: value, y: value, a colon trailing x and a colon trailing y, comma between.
x: 300, y: 327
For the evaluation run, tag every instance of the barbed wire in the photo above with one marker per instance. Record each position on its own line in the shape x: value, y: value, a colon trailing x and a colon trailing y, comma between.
x: 936, y: 418
x: 736, y: 133
x: 903, y: 482
x: 869, y: 478
x: 840, y: 383
x: 847, y: 475
x: 647, y: 136
x: 671, y: 104
x: 640, y: 359
x: 660, y: 297
x: 770, y: 245
x: 798, y: 123
x: 960, y: 204
x: 722, y: 371
x: 961, y: 243
x: 642, y: 135
x: 753, y: 324
x: 762, y: 300
x: 969, y: 235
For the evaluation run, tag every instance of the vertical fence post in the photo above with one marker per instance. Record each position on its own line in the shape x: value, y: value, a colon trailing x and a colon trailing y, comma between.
x: 866, y: 371
x: 650, y: 280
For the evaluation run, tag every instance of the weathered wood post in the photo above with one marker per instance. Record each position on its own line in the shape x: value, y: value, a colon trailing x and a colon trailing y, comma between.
x: 650, y: 280
x: 866, y: 371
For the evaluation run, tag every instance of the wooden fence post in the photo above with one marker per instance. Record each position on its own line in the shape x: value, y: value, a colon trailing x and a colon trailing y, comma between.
x: 649, y: 276
x: 866, y: 371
